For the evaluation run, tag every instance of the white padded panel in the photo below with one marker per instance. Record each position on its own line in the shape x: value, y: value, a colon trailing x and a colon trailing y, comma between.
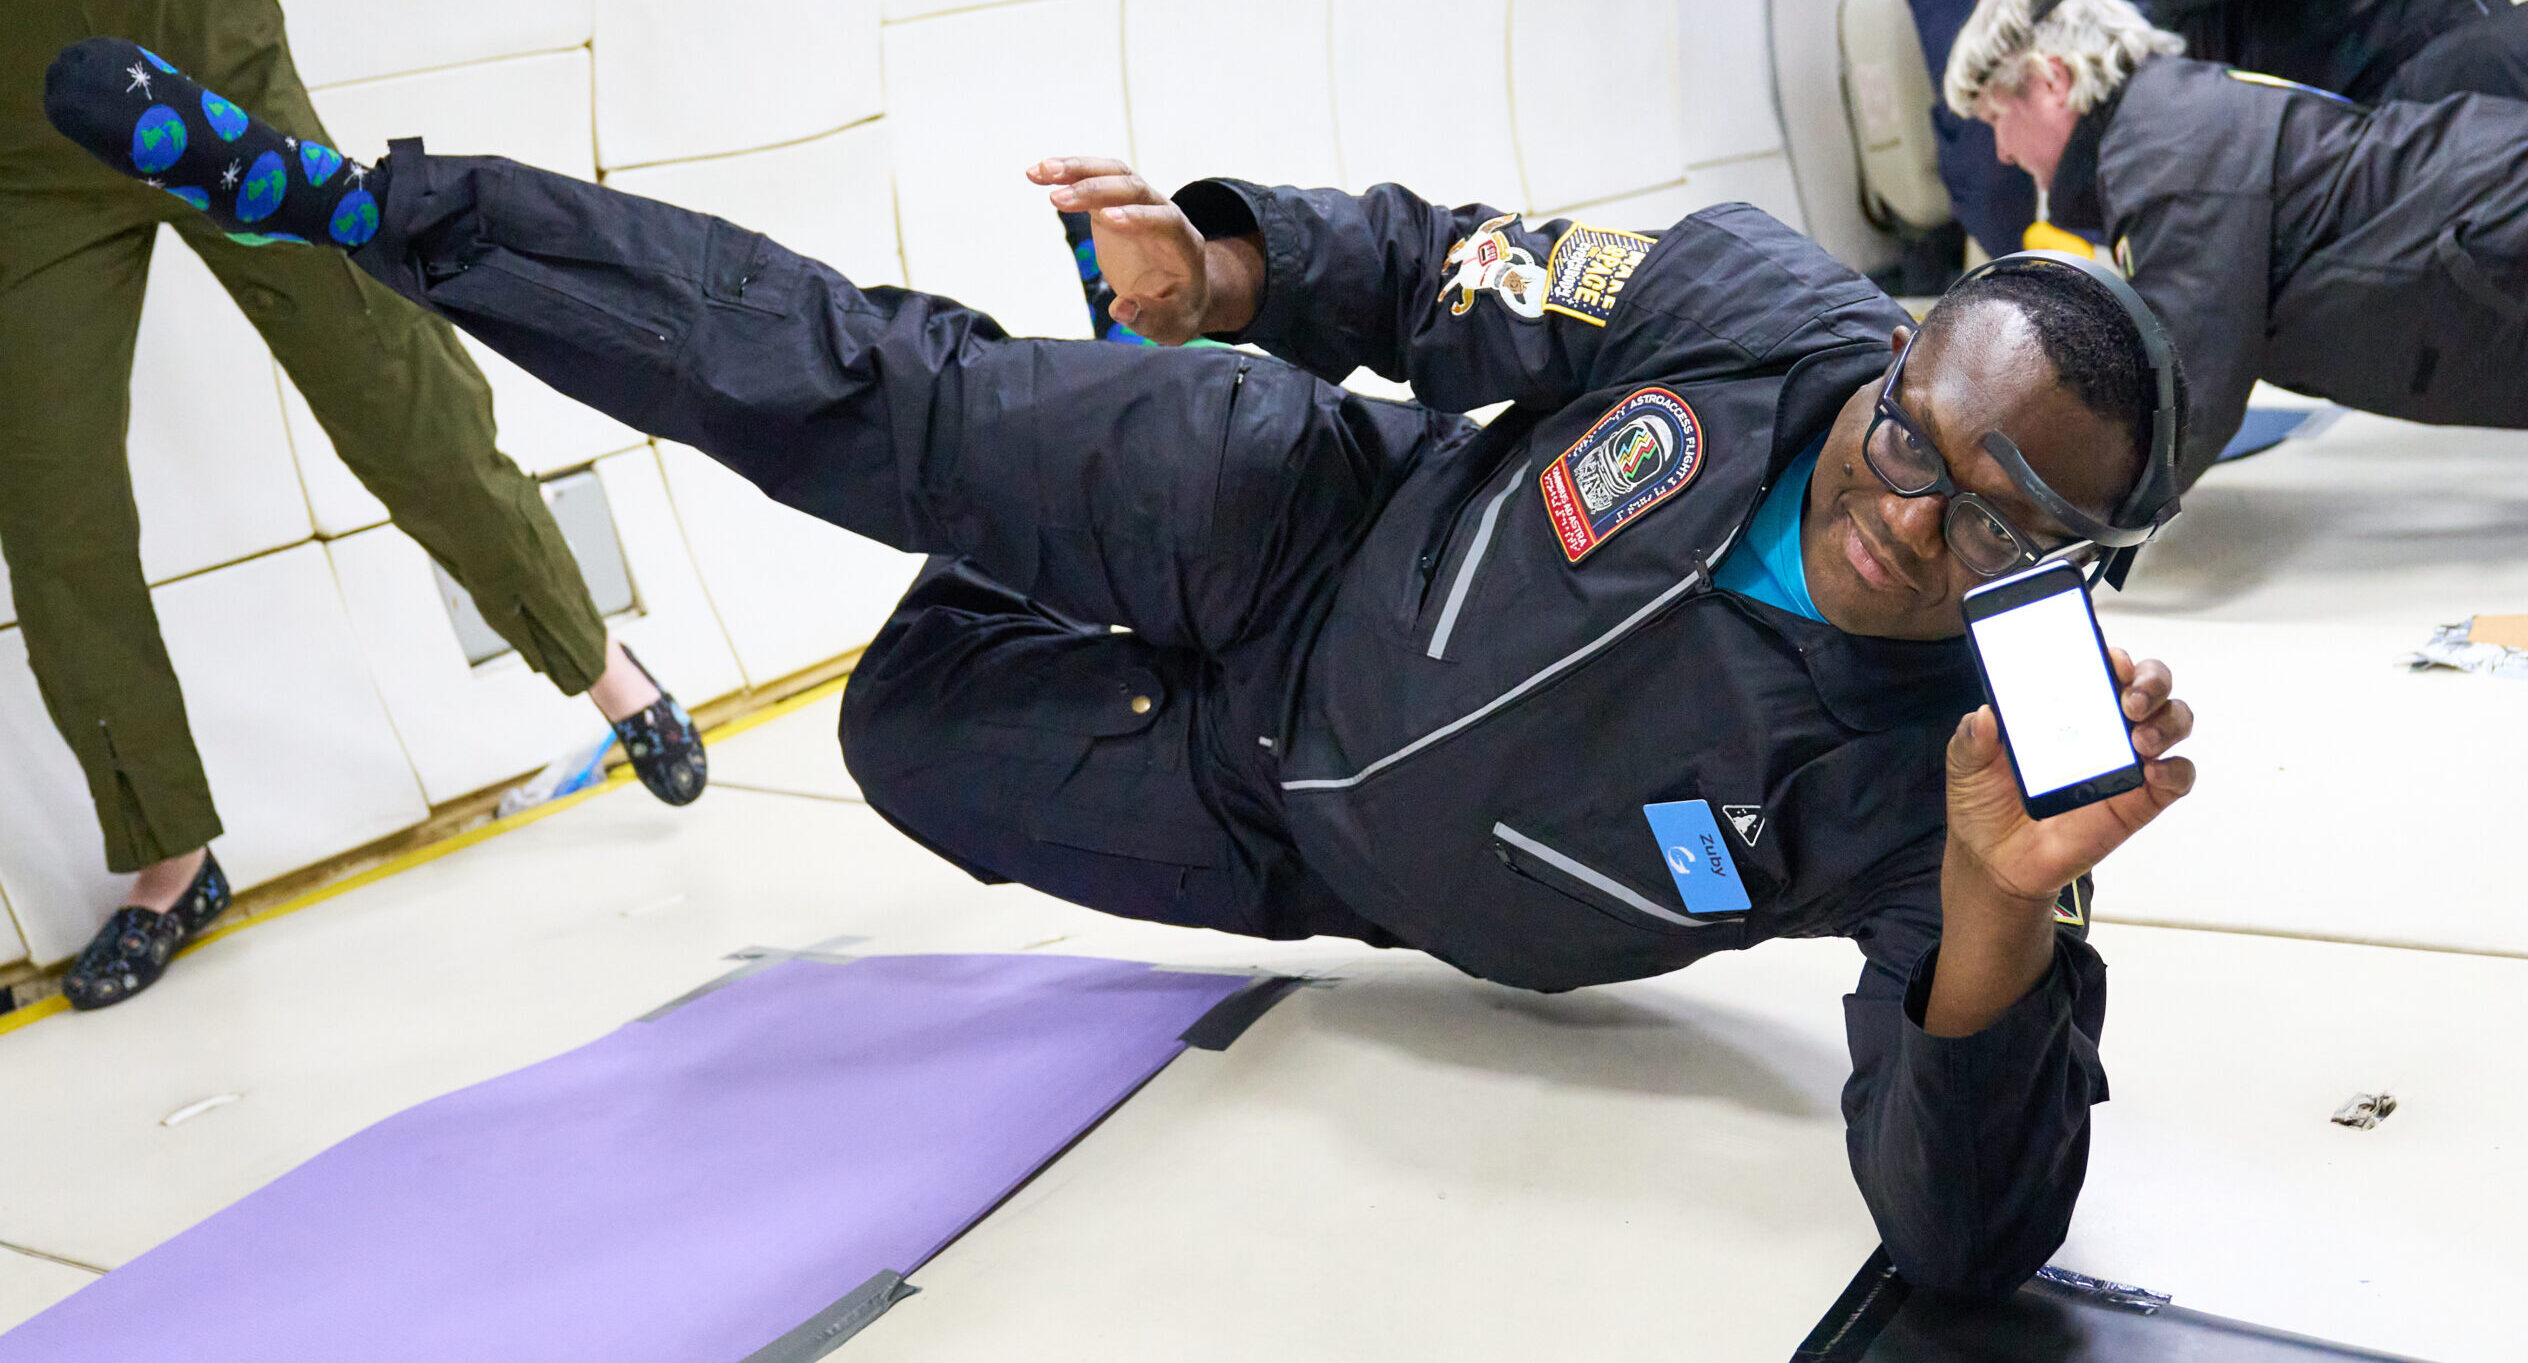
x: 1727, y: 79
x: 210, y: 455
x: 52, y: 860
x: 677, y: 79
x: 299, y: 752
x: 1422, y: 99
x: 1651, y: 208
x: 470, y: 727
x: 1808, y: 69
x: 897, y: 10
x: 530, y: 109
x: 1230, y: 87
x: 2284, y: 600
x: 1765, y: 181
x: 791, y: 590
x: 12, y: 950
x: 29, y: 1285
x: 8, y: 598
x: 2216, y: 1177
x: 975, y: 98
x: 1595, y: 85
x: 344, y: 40
x: 829, y: 198
x: 336, y: 501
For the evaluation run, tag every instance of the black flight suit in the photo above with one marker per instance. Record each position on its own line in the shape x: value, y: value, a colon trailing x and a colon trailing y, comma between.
x: 2366, y: 49
x: 1366, y: 688
x: 2374, y: 256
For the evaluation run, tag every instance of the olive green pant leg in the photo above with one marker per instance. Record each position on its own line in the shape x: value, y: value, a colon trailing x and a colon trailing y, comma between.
x: 411, y: 415
x: 409, y: 412
x: 72, y: 269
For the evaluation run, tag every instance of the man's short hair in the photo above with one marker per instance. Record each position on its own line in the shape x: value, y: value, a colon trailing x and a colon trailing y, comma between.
x: 2087, y: 336
x: 2100, y: 42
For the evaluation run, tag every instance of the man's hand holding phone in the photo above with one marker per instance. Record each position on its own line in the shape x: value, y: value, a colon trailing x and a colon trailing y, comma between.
x: 2003, y: 868
x: 2032, y: 858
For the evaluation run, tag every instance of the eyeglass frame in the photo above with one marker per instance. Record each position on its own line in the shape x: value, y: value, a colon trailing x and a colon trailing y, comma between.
x: 2003, y: 450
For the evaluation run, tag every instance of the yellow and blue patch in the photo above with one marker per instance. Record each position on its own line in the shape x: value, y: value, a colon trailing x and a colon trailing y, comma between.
x: 1589, y: 268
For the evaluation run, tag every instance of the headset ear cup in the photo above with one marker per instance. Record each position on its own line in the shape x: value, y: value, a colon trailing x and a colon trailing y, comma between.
x: 2154, y: 496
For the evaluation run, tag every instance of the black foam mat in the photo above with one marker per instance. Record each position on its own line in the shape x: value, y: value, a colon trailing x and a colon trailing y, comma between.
x: 2056, y: 1318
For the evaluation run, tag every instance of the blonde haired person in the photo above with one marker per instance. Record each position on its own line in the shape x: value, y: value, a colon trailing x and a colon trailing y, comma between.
x: 2377, y: 256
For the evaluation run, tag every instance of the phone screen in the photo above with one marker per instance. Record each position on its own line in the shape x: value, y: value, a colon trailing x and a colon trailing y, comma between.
x: 2056, y: 698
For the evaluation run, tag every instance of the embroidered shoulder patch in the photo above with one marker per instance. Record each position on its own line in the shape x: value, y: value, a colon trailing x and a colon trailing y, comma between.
x: 1635, y: 457
x: 1486, y: 262
x: 1588, y: 269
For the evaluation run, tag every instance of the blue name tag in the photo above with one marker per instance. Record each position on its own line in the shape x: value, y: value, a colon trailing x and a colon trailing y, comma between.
x: 1689, y: 842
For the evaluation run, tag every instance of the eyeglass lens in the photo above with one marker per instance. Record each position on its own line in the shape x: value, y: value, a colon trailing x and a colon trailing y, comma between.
x: 1910, y: 465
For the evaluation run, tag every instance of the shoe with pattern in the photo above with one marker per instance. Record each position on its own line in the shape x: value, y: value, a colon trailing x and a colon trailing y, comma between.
x: 132, y: 950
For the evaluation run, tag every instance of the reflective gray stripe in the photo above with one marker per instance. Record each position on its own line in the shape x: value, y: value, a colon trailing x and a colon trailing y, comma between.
x: 1474, y: 559
x: 1589, y: 875
x: 1551, y: 671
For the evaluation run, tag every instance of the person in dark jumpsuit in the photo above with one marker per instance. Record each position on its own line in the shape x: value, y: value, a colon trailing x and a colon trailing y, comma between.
x: 2363, y: 49
x: 1388, y: 675
x: 2376, y: 256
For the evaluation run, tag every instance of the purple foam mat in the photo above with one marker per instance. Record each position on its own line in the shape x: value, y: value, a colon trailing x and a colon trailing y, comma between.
x: 687, y: 1190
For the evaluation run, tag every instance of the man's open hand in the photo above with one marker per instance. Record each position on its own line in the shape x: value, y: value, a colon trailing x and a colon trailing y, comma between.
x: 1151, y: 255
x: 2028, y: 859
x: 2002, y: 870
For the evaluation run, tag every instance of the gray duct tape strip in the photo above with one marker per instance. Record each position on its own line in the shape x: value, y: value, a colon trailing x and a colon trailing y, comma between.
x: 825, y: 1331
x: 1229, y: 1018
x: 757, y: 959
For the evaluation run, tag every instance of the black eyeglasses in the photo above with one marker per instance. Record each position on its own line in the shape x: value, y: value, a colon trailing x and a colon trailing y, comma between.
x: 1982, y: 538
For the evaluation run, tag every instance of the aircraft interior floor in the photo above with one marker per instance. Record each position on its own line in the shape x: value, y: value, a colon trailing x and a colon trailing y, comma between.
x: 1405, y: 1163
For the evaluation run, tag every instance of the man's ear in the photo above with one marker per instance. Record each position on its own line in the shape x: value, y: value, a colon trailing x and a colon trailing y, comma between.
x: 1896, y: 340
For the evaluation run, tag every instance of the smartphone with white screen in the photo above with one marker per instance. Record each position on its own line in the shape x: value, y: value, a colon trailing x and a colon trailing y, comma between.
x: 2045, y: 669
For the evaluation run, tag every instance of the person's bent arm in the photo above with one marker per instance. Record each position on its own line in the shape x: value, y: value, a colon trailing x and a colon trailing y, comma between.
x: 1974, y: 1041
x: 1469, y: 305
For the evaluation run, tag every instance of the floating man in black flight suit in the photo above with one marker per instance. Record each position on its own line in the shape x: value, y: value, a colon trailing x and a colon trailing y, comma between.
x: 1393, y: 677
x: 2375, y: 256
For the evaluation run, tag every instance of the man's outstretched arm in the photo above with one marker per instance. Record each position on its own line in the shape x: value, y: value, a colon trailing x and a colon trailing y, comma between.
x: 1974, y: 1032
x: 1468, y: 305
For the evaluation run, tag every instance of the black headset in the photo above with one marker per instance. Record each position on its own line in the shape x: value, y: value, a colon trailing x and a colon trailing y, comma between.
x: 2153, y: 500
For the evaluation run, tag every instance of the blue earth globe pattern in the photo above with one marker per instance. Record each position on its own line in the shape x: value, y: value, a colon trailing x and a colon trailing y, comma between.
x: 199, y: 198
x: 318, y: 161
x: 157, y: 140
x: 226, y: 119
x: 156, y: 60
x: 266, y: 180
x: 355, y: 218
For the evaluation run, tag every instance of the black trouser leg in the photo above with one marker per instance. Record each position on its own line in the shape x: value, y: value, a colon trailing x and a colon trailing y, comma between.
x: 1206, y: 499
x: 1198, y: 496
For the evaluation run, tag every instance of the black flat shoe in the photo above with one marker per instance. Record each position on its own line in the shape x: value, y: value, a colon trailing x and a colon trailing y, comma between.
x: 665, y: 747
x: 131, y: 951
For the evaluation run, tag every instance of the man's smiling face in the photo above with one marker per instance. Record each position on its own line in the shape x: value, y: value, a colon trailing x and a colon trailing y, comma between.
x: 1880, y: 564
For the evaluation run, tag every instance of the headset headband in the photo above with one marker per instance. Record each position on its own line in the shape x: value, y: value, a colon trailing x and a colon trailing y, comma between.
x: 2153, y: 500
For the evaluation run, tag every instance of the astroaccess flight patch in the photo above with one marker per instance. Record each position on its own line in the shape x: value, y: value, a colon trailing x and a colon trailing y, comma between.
x: 1638, y: 455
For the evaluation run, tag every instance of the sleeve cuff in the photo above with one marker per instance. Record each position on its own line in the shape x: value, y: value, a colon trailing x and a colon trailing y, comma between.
x: 1220, y: 208
x: 1235, y: 208
x: 2024, y: 1031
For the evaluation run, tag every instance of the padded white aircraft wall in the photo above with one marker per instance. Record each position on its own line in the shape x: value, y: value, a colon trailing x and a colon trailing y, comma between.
x: 330, y: 695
